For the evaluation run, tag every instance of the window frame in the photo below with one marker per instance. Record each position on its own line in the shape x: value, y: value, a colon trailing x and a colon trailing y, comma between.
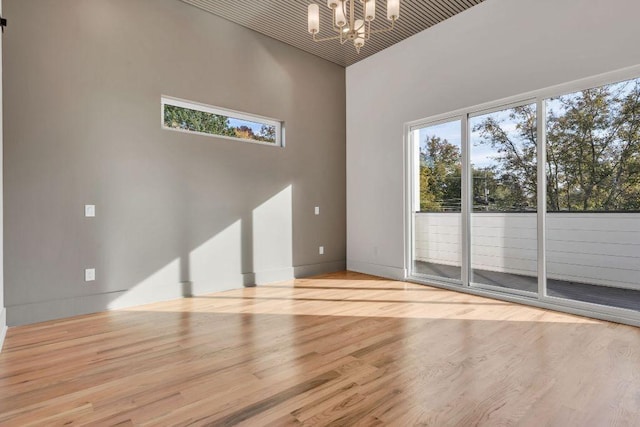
x: 232, y: 114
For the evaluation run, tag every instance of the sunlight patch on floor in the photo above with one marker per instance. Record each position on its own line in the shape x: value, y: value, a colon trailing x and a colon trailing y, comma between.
x: 394, y: 299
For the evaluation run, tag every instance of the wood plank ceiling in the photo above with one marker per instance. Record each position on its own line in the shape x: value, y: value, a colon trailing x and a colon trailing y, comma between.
x: 286, y: 20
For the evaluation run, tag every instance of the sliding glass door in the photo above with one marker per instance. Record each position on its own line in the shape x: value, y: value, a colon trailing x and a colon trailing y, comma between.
x: 503, y: 229
x: 593, y: 196
x: 537, y: 199
x: 437, y: 200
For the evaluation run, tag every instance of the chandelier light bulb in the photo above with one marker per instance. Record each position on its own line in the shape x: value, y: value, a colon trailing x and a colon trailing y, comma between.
x: 393, y: 9
x: 370, y: 10
x: 314, y: 18
x: 340, y: 18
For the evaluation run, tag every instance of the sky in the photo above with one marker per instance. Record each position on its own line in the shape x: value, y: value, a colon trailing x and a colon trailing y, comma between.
x: 235, y: 123
x: 482, y: 155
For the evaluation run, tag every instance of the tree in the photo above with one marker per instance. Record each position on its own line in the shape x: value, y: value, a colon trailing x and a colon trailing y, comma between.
x: 440, y: 171
x: 593, y: 151
x: 197, y: 121
x: 592, y: 147
x: 267, y: 134
x: 514, y: 176
x: 244, y: 132
x: 200, y: 121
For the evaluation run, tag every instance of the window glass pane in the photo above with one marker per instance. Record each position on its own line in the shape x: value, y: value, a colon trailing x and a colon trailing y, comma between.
x: 593, y: 195
x: 196, y: 120
x: 504, y: 222
x: 593, y: 149
x: 503, y: 160
x: 437, y: 217
x: 440, y: 168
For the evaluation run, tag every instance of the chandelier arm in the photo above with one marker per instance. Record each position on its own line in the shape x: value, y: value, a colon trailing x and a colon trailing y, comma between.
x: 384, y: 30
x: 322, y: 39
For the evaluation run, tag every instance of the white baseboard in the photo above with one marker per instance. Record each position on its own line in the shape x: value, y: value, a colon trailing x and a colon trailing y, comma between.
x: 271, y: 276
x: 3, y: 326
x: 316, y: 269
x: 42, y: 311
x: 385, y: 271
x: 283, y: 274
x: 24, y: 314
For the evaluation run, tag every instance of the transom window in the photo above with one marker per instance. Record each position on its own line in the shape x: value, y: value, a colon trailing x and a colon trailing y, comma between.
x: 193, y: 117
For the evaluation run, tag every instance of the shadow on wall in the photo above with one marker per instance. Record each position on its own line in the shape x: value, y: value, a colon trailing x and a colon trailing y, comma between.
x: 252, y: 250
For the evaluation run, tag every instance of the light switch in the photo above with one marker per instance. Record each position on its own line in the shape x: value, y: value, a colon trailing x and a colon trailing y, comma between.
x: 89, y: 210
x: 317, y: 210
x: 90, y: 275
x: 321, y: 250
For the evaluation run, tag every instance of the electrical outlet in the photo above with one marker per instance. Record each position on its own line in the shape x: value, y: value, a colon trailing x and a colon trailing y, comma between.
x: 89, y: 210
x: 89, y: 274
x: 321, y: 250
x: 317, y: 210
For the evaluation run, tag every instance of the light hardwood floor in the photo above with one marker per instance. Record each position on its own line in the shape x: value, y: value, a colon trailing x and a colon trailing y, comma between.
x: 341, y: 349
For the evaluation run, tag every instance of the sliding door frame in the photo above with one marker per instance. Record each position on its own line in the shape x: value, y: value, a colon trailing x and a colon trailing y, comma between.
x: 467, y: 142
x: 541, y: 299
x: 541, y: 159
x: 467, y: 202
x: 410, y: 184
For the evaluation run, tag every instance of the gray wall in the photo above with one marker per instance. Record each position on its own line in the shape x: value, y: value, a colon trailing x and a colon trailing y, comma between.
x: 3, y: 313
x: 83, y: 80
x: 495, y: 50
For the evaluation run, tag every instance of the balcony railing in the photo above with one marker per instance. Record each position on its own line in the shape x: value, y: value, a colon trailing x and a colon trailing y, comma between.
x: 592, y: 248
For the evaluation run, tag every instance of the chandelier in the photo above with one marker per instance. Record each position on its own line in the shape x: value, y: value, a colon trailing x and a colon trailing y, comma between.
x: 345, y: 23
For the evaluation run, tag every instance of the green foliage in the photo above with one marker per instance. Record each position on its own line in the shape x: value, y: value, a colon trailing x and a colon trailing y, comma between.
x: 267, y: 134
x: 593, y: 156
x: 509, y: 185
x: 196, y: 121
x: 200, y: 121
x: 440, y: 172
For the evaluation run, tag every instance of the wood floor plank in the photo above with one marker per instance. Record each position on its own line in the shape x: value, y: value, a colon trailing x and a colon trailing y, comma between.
x: 338, y: 349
